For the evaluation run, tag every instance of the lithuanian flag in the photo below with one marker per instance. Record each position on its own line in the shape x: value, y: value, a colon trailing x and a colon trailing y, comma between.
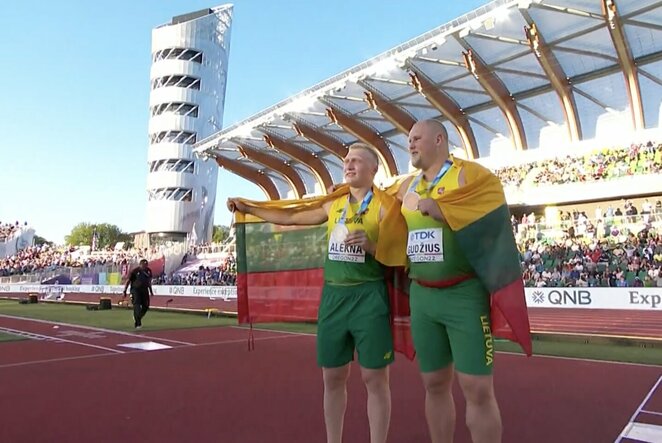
x: 280, y: 269
x: 478, y: 214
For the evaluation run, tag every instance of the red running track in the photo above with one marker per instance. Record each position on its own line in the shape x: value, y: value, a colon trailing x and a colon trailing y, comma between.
x: 607, y: 322
x: 213, y: 389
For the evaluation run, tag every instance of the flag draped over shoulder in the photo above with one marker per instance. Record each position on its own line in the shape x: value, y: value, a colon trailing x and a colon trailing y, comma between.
x: 280, y: 268
x: 478, y: 214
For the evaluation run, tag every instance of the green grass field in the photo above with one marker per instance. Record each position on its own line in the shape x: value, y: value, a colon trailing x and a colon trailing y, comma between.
x: 121, y: 319
x: 10, y: 337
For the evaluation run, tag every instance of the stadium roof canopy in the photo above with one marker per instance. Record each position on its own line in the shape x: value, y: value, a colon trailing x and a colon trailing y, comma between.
x: 511, y: 75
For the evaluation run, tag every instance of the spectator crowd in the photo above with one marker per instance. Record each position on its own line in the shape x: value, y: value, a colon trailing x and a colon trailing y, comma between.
x: 223, y: 275
x: 615, y: 247
x: 46, y: 258
x: 601, y: 164
x: 8, y: 229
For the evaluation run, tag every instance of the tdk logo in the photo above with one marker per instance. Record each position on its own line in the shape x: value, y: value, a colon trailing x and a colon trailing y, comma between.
x: 422, y: 235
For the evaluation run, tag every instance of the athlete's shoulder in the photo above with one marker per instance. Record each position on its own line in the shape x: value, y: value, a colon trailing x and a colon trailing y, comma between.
x: 400, y: 185
x: 471, y: 171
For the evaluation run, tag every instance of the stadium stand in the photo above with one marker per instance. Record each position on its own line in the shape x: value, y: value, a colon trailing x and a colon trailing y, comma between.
x: 203, y: 265
x: 8, y: 229
x: 200, y: 272
x: 613, y: 249
x: 601, y: 164
x: 620, y: 246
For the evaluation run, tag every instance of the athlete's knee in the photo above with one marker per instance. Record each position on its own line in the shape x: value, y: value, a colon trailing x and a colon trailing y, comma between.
x: 335, y: 378
x: 478, y: 390
x: 439, y: 382
x: 375, y: 379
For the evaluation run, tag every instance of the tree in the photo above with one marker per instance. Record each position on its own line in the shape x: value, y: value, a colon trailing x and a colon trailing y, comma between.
x: 221, y: 233
x: 107, y: 235
x: 38, y: 241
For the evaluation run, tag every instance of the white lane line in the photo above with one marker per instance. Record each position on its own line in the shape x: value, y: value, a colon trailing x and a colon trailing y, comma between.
x: 23, y: 334
x: 631, y: 423
x: 92, y: 328
x: 85, y: 357
x: 64, y: 340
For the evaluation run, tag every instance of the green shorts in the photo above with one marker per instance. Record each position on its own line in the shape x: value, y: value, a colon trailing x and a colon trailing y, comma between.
x: 351, y: 317
x: 452, y: 325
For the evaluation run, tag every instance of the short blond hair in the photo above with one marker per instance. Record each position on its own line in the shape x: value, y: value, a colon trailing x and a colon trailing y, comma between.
x: 369, y: 149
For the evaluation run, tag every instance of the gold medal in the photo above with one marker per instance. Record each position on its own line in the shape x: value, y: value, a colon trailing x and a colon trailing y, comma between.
x: 411, y: 201
x: 339, y: 233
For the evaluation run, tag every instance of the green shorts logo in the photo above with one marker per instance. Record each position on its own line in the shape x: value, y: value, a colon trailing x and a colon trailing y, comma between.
x: 489, y: 346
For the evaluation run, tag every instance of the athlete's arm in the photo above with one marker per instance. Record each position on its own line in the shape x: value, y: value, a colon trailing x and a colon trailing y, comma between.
x: 430, y: 207
x: 403, y: 188
x: 283, y: 216
x: 360, y: 238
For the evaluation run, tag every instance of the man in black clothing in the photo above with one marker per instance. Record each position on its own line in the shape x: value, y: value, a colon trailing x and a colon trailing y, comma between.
x: 140, y: 280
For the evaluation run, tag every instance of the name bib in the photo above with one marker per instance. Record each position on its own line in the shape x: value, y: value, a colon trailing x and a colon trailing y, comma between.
x: 425, y: 245
x: 339, y: 251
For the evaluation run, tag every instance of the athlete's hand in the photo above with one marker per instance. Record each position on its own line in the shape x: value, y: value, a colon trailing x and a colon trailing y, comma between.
x: 360, y: 238
x: 234, y: 204
x: 429, y: 207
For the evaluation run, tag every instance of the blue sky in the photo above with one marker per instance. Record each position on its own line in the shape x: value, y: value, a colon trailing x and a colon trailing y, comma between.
x: 75, y: 90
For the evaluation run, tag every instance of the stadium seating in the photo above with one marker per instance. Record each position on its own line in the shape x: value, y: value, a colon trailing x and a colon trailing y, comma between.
x: 600, y: 164
x: 8, y: 229
x: 608, y: 251
x: 613, y: 248
x: 210, y: 271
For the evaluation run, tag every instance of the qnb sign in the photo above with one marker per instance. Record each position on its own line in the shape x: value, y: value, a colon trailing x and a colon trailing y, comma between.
x: 645, y: 300
x: 570, y: 297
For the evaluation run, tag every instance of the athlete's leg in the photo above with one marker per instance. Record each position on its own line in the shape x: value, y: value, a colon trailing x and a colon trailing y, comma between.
x: 470, y: 336
x: 435, y: 360
x: 335, y: 401
x: 483, y: 416
x: 335, y: 350
x: 379, y: 402
x: 370, y: 327
x: 439, y: 404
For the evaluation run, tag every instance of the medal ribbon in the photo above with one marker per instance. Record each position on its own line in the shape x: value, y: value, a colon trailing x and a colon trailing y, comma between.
x: 444, y: 169
x: 362, y: 208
